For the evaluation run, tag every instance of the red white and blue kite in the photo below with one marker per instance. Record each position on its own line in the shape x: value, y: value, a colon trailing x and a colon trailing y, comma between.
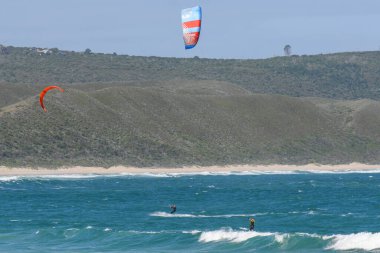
x: 191, y: 26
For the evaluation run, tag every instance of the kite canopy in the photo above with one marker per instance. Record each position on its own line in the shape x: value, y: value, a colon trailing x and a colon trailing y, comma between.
x: 191, y: 26
x: 43, y: 93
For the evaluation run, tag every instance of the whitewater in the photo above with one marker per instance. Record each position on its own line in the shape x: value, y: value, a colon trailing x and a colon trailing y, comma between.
x: 294, y: 212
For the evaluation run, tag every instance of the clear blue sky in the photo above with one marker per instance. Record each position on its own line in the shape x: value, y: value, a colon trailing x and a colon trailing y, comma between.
x: 231, y: 28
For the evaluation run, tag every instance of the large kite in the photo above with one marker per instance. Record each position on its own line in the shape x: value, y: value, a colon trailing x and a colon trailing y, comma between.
x: 191, y: 26
x: 43, y: 93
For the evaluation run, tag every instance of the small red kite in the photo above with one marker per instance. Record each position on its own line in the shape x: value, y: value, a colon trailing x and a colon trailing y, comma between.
x: 42, y: 95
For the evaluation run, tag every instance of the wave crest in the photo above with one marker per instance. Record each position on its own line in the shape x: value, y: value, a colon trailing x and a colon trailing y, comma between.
x: 358, y: 241
x: 227, y: 234
x: 363, y: 240
x: 9, y: 178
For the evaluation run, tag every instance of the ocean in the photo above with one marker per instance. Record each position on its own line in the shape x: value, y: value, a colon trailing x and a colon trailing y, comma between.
x: 294, y: 212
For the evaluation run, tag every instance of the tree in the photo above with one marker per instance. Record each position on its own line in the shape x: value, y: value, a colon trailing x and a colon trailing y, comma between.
x: 54, y: 50
x: 87, y: 51
x: 4, y: 50
x: 287, y: 50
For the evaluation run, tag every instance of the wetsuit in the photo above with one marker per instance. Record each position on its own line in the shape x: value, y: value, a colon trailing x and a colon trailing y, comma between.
x: 251, y: 224
x: 174, y: 209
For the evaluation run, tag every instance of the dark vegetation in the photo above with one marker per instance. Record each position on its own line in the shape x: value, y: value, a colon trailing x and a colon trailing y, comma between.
x: 337, y: 76
x: 148, y: 111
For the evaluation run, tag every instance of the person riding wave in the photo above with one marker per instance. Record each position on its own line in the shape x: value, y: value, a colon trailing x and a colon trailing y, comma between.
x: 174, y: 209
x: 251, y: 224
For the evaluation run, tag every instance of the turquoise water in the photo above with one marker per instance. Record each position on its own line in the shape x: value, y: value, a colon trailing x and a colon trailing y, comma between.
x: 295, y: 212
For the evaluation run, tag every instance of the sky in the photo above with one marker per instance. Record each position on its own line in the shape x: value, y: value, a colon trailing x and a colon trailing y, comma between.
x: 231, y: 28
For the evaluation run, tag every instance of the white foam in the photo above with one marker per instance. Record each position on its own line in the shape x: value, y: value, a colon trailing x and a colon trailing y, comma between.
x: 227, y: 234
x: 207, y: 173
x: 308, y: 235
x: 71, y: 232
x: 363, y: 240
x: 237, y: 215
x: 278, y: 172
x: 232, y: 173
x: 236, y: 236
x: 245, y: 173
x: 177, y: 215
x: 66, y: 176
x: 169, y: 215
x: 346, y: 214
x: 145, y: 232
x: 371, y: 171
x: 193, y: 232
x: 10, y: 178
x: 280, y: 238
x: 184, y: 174
x: 147, y: 174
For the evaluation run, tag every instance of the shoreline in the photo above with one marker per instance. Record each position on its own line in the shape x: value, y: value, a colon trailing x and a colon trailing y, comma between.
x: 80, y: 170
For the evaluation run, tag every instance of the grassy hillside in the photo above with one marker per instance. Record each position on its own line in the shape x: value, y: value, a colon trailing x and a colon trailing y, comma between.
x: 166, y: 111
x: 182, y: 123
x: 337, y: 76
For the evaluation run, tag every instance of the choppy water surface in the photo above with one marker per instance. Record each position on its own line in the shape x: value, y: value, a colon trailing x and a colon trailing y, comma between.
x: 294, y: 212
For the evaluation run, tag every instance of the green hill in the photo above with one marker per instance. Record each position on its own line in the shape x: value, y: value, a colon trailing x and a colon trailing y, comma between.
x: 182, y: 125
x: 337, y: 76
x: 146, y: 111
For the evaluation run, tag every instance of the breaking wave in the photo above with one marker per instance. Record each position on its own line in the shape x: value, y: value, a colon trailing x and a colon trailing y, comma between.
x: 178, y: 215
x: 231, y: 235
x: 363, y: 240
x: 356, y: 241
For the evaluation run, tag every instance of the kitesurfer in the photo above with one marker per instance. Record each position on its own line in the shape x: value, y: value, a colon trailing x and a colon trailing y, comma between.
x: 251, y: 224
x: 174, y: 209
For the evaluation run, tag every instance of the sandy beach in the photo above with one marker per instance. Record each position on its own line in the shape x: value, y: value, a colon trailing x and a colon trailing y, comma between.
x: 6, y: 171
